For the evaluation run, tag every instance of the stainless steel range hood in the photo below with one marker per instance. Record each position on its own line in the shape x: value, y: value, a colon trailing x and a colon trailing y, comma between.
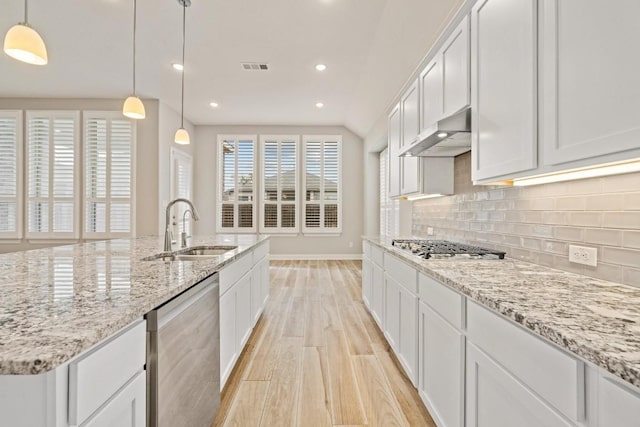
x: 449, y: 137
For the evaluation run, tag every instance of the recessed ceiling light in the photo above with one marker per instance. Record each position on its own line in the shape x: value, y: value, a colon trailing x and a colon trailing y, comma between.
x: 213, y: 104
x: 321, y: 67
x: 177, y: 66
x: 319, y: 104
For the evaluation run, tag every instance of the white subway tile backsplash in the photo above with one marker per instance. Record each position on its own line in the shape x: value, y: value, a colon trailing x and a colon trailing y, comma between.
x: 537, y: 223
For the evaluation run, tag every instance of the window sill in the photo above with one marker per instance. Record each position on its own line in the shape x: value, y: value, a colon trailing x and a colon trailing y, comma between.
x: 322, y: 234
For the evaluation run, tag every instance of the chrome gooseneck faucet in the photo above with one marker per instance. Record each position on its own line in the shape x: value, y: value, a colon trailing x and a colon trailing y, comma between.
x: 167, y: 229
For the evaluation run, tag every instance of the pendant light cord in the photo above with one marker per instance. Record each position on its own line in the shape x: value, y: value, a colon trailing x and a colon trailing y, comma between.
x: 135, y: 9
x: 184, y: 25
x: 26, y: 12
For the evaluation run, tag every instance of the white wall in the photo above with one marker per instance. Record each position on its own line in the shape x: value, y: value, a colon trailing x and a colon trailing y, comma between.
x: 147, y: 167
x: 348, y: 243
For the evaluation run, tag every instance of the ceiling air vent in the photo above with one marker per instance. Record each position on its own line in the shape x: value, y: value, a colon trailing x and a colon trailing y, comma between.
x: 255, y: 66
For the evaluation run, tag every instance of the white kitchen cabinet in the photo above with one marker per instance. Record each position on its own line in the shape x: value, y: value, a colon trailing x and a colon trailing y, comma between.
x: 494, y: 398
x: 441, y: 368
x: 243, y: 310
x: 392, y: 312
x: 431, y: 93
x: 410, y: 174
x: 590, y: 94
x: 456, y: 72
x: 126, y: 409
x: 259, y: 289
x: 395, y: 162
x: 377, y: 294
x: 504, y: 88
x: 618, y: 403
x: 366, y: 281
x: 228, y: 349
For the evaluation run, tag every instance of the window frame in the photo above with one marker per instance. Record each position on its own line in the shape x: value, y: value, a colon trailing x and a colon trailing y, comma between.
x: 109, y: 116
x: 50, y: 236
x: 279, y: 139
x: 178, y: 209
x: 220, y: 186
x: 19, y: 199
x: 322, y: 229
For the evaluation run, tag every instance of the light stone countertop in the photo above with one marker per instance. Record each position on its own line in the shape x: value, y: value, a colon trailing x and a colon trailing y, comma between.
x: 594, y: 319
x: 58, y: 302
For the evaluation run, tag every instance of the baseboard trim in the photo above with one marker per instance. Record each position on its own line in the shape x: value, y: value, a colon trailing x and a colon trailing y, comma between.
x: 314, y: 257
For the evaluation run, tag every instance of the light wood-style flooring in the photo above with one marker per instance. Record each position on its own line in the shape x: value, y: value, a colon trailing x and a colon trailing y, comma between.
x: 317, y: 358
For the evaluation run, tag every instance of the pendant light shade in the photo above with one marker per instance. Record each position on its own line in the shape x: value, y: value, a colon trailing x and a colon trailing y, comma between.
x: 182, y: 137
x: 133, y: 106
x: 25, y: 44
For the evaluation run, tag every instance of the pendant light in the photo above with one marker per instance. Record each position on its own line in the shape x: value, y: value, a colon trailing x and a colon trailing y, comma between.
x: 133, y: 106
x: 24, y: 43
x: 182, y: 136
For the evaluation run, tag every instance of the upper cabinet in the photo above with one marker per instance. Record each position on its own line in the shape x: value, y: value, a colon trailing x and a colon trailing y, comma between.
x: 409, y: 104
x: 590, y: 94
x: 395, y: 162
x: 504, y: 90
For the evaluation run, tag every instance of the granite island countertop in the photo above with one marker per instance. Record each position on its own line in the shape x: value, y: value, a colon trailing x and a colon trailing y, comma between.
x: 594, y: 319
x: 58, y: 302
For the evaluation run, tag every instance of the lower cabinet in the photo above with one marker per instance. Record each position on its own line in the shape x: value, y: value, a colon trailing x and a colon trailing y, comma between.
x: 366, y: 281
x: 126, y: 409
x: 441, y: 368
x: 496, y: 399
x: 618, y: 404
x: 401, y: 326
x: 259, y: 289
x: 377, y: 294
x: 244, y: 324
x: 228, y: 354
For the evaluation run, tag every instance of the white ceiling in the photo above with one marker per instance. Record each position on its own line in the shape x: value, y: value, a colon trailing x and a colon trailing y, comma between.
x: 370, y: 47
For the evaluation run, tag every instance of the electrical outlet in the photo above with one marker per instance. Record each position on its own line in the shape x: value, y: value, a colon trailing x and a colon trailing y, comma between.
x: 350, y: 244
x: 429, y: 231
x: 583, y: 255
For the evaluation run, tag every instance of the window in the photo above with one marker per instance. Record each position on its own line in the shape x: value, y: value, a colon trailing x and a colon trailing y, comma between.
x: 11, y: 174
x: 237, y: 188
x: 322, y: 184
x: 279, y: 184
x: 181, y: 186
x: 52, y: 187
x: 389, y: 209
x: 108, y: 176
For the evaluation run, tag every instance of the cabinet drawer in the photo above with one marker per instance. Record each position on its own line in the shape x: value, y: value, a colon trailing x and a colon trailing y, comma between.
x: 98, y: 375
x: 366, y: 249
x: 444, y: 301
x: 377, y: 255
x: 126, y: 409
x: 402, y: 273
x: 260, y: 252
x: 555, y: 376
x: 234, y: 271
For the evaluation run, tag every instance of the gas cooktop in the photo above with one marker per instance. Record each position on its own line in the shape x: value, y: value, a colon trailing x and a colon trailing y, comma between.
x: 442, y: 249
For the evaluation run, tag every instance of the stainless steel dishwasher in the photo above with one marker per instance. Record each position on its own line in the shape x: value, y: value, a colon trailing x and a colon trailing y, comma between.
x: 183, y: 358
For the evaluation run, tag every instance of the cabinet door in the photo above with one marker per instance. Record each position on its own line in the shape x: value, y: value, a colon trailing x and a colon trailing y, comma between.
x: 257, y: 299
x: 265, y: 281
x: 618, y: 405
x: 504, y: 95
x: 377, y: 295
x: 456, y: 70
x: 431, y: 94
x: 591, y: 95
x: 392, y: 312
x: 243, y: 312
x: 408, y: 333
x: 127, y: 409
x: 227, y: 334
x: 410, y: 113
x: 496, y: 399
x: 395, y: 162
x: 366, y: 281
x: 441, y: 368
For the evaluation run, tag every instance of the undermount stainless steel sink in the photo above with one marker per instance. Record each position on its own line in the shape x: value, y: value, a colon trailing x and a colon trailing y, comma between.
x: 191, y: 254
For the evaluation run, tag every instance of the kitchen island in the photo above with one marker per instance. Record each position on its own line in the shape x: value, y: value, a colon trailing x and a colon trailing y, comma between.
x: 61, y: 303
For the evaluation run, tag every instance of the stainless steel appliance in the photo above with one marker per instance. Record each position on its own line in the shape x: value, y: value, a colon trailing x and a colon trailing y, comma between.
x: 183, y: 358
x: 442, y: 249
x: 450, y: 136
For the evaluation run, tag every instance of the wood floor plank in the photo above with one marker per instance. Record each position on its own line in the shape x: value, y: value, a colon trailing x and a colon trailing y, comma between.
x: 314, y: 407
x: 379, y: 403
x: 314, y: 324
x: 282, y: 398
x: 375, y: 334
x: 346, y: 405
x: 358, y: 338
x: 248, y: 404
x: 294, y: 323
x: 330, y: 309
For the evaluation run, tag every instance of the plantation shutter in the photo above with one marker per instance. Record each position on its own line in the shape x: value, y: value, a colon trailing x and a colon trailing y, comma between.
x: 109, y: 147
x: 279, y: 184
x: 236, y: 199
x: 322, y: 184
x: 52, y: 140
x: 181, y: 186
x: 10, y: 174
